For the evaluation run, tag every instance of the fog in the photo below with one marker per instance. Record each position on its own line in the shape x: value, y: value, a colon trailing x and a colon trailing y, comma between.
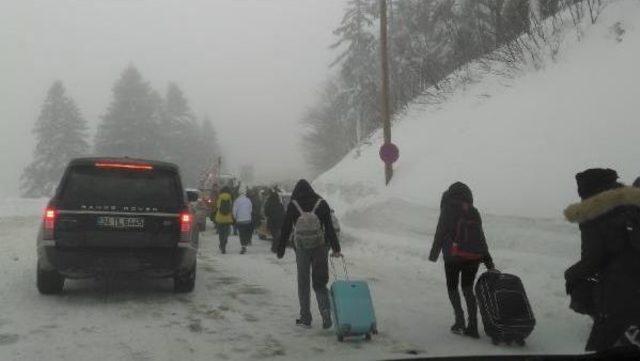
x: 253, y: 66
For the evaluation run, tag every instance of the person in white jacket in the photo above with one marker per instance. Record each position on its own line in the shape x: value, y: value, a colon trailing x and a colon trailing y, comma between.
x: 242, y: 209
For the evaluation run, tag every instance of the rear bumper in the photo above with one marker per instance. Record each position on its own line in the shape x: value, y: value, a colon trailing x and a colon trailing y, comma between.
x: 89, y: 262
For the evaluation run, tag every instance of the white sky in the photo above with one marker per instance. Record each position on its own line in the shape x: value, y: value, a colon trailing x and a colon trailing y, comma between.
x: 252, y: 65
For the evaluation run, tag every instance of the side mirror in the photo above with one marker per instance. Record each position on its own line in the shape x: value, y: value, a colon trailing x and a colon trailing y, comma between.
x: 192, y: 196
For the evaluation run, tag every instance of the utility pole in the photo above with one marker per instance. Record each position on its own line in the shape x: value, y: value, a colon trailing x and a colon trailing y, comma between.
x: 384, y: 60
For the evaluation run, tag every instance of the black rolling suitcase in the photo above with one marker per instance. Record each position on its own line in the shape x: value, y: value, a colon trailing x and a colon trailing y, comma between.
x: 504, y: 307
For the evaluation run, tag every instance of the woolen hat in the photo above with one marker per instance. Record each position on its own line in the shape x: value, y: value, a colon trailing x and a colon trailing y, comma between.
x: 595, y: 180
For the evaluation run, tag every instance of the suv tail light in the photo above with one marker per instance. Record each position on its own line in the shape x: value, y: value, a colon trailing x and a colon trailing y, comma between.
x: 131, y: 166
x: 186, y: 223
x: 49, y: 223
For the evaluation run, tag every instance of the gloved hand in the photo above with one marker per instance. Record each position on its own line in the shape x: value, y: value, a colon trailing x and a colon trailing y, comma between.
x: 432, y: 257
x: 569, y: 286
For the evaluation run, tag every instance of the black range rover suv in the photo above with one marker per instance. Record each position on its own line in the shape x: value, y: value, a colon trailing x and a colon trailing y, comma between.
x: 114, y: 216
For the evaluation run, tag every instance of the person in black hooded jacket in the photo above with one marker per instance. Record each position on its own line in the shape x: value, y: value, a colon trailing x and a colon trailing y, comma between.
x: 457, y: 202
x: 607, y: 211
x: 314, y: 261
x: 274, y: 212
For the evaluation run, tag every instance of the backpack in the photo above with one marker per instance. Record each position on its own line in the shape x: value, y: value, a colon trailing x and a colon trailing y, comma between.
x: 467, y: 243
x: 308, y: 232
x: 225, y: 207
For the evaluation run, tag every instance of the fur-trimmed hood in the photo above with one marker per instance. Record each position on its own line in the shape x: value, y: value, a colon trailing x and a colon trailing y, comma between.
x: 602, y: 203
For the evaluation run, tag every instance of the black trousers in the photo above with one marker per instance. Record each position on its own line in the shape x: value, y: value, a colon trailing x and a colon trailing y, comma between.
x: 464, y: 274
x: 223, y: 235
x: 246, y: 232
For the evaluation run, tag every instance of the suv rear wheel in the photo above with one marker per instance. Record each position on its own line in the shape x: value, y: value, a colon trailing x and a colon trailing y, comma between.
x: 49, y: 282
x: 185, y: 282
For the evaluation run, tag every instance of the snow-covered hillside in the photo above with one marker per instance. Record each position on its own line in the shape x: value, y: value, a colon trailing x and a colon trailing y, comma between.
x: 517, y: 141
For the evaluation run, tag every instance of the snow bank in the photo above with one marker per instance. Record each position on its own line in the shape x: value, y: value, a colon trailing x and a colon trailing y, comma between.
x: 22, y: 207
x: 517, y: 141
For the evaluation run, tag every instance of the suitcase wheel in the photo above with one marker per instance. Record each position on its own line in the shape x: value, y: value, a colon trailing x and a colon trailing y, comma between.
x: 367, y: 337
x: 375, y: 331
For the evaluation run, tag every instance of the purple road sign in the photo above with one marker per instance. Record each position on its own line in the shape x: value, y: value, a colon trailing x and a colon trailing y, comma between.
x: 389, y: 153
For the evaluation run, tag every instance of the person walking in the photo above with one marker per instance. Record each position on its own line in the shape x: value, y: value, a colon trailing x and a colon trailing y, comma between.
x: 235, y: 193
x: 609, y: 220
x: 224, y: 217
x: 308, y: 216
x: 461, y: 258
x: 242, y: 209
x: 274, y: 212
x: 256, y: 209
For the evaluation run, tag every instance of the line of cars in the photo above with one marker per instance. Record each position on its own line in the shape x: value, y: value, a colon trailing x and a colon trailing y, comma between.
x: 112, y: 216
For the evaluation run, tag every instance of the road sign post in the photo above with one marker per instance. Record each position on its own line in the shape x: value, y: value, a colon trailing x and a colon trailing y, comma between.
x: 384, y: 61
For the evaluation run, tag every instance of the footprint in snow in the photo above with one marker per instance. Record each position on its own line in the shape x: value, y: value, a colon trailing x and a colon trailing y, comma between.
x: 250, y: 318
x: 270, y: 348
x: 227, y: 280
x: 208, y: 268
x: 252, y: 290
x: 195, y: 326
x: 8, y: 338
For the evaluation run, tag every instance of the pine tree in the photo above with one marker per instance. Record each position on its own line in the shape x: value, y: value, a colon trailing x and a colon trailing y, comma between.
x: 178, y: 123
x: 548, y: 7
x: 328, y: 137
x: 209, y: 148
x: 442, y: 37
x: 183, y: 141
x: 209, y: 139
x: 359, y: 64
x: 516, y: 15
x: 61, y: 134
x: 131, y: 126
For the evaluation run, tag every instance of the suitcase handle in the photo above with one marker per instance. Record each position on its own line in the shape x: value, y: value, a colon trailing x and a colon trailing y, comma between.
x: 333, y: 268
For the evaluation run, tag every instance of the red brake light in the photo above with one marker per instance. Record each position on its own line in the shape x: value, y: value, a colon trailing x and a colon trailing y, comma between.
x: 49, y: 223
x: 132, y: 166
x: 185, y: 222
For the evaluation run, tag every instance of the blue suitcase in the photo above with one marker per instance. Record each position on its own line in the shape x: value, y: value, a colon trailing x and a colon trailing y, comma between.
x: 353, y: 309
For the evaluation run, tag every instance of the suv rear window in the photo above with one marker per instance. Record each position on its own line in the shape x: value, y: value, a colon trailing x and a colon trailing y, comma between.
x: 90, y: 186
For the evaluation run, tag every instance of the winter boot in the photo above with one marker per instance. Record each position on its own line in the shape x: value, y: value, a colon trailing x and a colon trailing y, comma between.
x: 472, y: 329
x: 303, y: 324
x: 243, y: 250
x: 458, y: 328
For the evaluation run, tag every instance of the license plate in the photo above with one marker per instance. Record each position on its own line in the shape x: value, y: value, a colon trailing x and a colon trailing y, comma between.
x: 121, y: 222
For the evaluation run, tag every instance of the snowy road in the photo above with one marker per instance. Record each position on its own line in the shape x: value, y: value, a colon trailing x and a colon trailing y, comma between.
x: 243, y: 307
